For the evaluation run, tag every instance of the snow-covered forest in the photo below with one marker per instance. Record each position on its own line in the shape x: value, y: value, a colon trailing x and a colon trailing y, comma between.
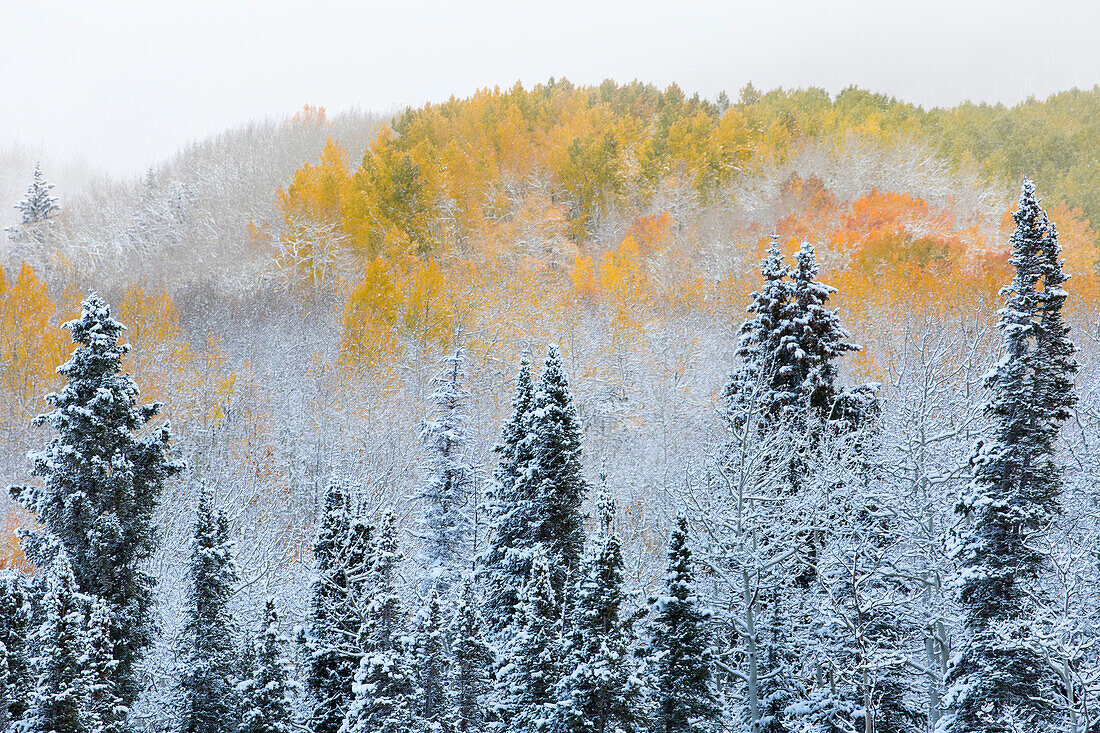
x: 559, y: 410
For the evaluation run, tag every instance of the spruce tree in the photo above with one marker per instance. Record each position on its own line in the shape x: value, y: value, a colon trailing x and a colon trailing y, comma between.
x: 526, y: 685
x: 504, y: 563
x: 448, y: 496
x: 554, y: 475
x: 600, y: 692
x: 207, y: 700
x: 683, y: 658
x: 334, y: 630
x: 36, y: 211
x: 434, y: 711
x: 103, y: 475
x: 999, y: 681
x: 817, y: 337
x: 473, y: 661
x: 385, y: 687
x: 59, y: 699
x: 105, y: 711
x: 16, y: 619
x: 267, y: 693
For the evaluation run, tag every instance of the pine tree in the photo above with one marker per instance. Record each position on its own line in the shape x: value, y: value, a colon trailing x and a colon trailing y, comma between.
x: 504, y: 563
x: 999, y: 681
x: 448, y: 496
x: 105, y: 711
x: 763, y: 387
x: 817, y: 339
x: 473, y: 660
x: 384, y: 690
x: 15, y: 652
x: 526, y: 685
x: 600, y: 692
x: 333, y: 637
x: 207, y: 701
x: 36, y: 212
x: 59, y: 700
x: 682, y: 649
x: 102, y: 478
x: 434, y: 711
x: 267, y: 694
x: 554, y: 475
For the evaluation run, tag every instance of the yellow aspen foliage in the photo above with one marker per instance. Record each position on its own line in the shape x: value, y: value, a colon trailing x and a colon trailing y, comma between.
x: 369, y: 336
x: 11, y: 549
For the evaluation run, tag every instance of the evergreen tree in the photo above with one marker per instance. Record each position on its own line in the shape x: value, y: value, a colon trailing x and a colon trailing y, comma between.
x: 601, y: 692
x: 999, y: 682
x: 473, y: 660
x: 267, y: 693
x: 557, y: 486
x: 102, y: 478
x: 817, y: 337
x: 526, y: 685
x: 764, y: 387
x: 385, y: 687
x: 434, y: 711
x: 59, y: 700
x: 207, y: 703
x: 36, y: 212
x: 682, y: 645
x: 504, y: 563
x: 334, y: 633
x: 105, y: 711
x: 16, y: 618
x: 449, y: 494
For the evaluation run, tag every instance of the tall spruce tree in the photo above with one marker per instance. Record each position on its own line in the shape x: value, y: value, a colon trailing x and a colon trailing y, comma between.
x: 36, y: 213
x: 999, y: 681
x: 504, y: 563
x: 59, y: 698
x: 434, y: 711
x: 384, y: 689
x: 448, y: 496
x: 103, y: 475
x: 105, y: 711
x: 601, y: 691
x: 267, y: 693
x: 473, y: 661
x: 334, y: 629
x: 207, y: 693
x: 683, y: 654
x: 526, y: 685
x: 555, y: 475
x: 16, y: 625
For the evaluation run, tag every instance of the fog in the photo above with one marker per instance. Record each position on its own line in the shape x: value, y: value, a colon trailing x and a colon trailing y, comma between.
x: 116, y: 87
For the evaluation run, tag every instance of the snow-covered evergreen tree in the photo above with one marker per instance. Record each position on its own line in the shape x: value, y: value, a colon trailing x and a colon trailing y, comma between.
x: 434, y: 710
x: 385, y: 685
x: 505, y: 560
x: 334, y: 631
x: 103, y: 475
x: 267, y: 694
x: 682, y: 644
x: 526, y: 684
x: 473, y: 661
x: 555, y: 474
x: 103, y: 708
x: 16, y: 619
x: 36, y: 212
x: 817, y: 337
x: 763, y: 385
x: 601, y: 691
x: 448, y: 497
x: 1000, y: 681
x: 207, y: 699
x: 59, y: 699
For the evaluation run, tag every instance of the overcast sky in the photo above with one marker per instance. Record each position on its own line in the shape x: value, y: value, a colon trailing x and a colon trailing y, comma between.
x: 124, y: 83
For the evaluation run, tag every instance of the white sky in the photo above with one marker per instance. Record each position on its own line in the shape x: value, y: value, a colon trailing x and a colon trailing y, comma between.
x: 123, y: 83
